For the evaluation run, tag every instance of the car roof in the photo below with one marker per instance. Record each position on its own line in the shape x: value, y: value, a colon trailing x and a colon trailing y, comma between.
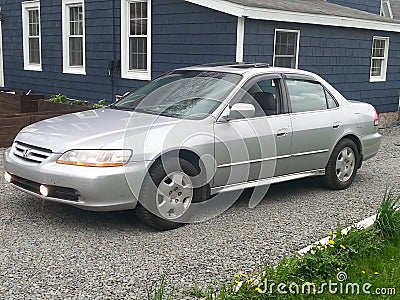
x: 246, y: 69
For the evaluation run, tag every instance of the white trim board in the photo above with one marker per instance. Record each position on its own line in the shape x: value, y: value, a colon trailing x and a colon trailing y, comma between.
x: 294, y: 17
x: 240, y: 39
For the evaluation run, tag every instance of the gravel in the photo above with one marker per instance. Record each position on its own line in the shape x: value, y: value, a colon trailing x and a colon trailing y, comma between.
x: 53, y: 251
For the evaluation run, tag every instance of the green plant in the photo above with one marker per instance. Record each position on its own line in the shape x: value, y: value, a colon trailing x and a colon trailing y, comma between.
x: 157, y: 291
x: 100, y: 104
x: 59, y: 98
x: 388, y: 217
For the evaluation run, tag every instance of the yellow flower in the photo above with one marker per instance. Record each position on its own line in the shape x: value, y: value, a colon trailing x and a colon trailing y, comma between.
x: 243, y: 275
x: 236, y: 276
x: 250, y: 281
x: 258, y: 290
x: 308, y: 283
x: 237, y: 281
x: 331, y: 242
x: 376, y: 273
x: 343, y: 247
x: 331, y: 246
x: 338, y: 269
x: 363, y: 272
x: 335, y: 232
x: 330, y: 234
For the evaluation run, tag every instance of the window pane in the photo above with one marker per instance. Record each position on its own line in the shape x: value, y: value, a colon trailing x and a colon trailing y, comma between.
x: 76, y: 20
x: 33, y: 22
x: 285, y: 62
x: 138, y: 53
x: 138, y: 18
x: 306, y: 96
x: 376, y: 68
x: 285, y: 43
x: 34, y: 52
x: 331, y: 102
x: 76, y: 51
x: 379, y: 48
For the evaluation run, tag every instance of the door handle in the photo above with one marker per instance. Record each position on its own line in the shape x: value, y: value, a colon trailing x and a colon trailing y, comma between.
x: 282, y: 133
x: 336, y: 125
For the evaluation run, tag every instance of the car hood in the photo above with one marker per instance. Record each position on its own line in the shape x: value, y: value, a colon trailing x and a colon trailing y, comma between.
x: 92, y: 129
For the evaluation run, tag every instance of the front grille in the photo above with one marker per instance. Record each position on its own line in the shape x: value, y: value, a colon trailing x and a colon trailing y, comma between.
x: 30, y: 153
x: 57, y: 192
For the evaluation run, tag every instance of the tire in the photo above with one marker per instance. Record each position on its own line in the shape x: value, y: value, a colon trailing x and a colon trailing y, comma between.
x: 342, y: 165
x: 164, y: 202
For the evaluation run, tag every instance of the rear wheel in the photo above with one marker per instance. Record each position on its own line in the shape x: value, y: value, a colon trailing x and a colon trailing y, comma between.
x: 342, y: 165
x: 167, y: 194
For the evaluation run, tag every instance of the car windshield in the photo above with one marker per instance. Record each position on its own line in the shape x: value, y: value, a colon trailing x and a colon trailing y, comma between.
x: 181, y: 94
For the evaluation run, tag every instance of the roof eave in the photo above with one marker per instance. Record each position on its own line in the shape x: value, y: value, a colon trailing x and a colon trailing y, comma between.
x: 294, y: 17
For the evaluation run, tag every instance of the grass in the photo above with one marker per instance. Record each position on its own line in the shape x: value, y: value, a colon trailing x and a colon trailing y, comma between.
x: 355, y: 264
x: 357, y: 259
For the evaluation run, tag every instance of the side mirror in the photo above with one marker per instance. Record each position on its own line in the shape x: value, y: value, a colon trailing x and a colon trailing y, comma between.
x: 239, y: 111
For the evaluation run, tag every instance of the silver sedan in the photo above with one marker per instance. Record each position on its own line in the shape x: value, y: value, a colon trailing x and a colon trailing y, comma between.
x: 176, y: 147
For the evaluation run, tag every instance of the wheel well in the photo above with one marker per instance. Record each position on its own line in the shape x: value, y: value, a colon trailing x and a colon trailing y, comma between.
x: 191, y: 157
x: 182, y: 153
x: 356, y: 141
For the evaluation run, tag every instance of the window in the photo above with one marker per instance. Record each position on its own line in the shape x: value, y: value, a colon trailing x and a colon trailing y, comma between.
x: 286, y: 48
x: 136, y: 39
x: 380, y: 51
x: 73, y: 37
x: 386, y: 9
x: 264, y: 95
x: 31, y: 35
x: 308, y: 96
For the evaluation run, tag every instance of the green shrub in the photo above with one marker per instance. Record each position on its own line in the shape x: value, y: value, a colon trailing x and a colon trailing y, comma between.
x: 388, y: 217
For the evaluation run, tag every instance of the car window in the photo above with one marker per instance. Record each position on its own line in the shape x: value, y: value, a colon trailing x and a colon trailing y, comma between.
x: 181, y: 94
x: 308, y: 96
x: 265, y: 97
x: 330, y: 100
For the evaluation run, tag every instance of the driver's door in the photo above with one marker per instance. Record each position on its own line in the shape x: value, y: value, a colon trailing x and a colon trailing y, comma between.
x: 250, y: 149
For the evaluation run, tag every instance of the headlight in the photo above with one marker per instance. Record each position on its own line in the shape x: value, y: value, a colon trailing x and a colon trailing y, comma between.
x: 95, y: 158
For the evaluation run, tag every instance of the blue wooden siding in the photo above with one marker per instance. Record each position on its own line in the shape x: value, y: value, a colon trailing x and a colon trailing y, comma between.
x: 372, y: 6
x: 341, y: 55
x: 183, y: 34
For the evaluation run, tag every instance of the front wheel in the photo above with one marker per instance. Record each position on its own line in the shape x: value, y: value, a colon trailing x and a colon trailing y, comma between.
x: 342, y: 165
x: 167, y: 194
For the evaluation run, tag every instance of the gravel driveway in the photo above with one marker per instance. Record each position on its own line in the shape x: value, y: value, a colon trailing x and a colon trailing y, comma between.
x: 52, y: 251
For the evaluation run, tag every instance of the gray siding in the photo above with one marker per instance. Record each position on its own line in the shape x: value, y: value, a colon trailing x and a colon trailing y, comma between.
x: 183, y: 34
x: 372, y: 6
x: 342, y: 56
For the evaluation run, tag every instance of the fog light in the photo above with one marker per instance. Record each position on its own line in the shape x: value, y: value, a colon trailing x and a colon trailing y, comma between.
x: 44, y: 191
x: 7, y: 177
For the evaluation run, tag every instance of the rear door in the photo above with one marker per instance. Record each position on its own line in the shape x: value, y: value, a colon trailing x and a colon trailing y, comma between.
x: 316, y: 124
x: 254, y: 148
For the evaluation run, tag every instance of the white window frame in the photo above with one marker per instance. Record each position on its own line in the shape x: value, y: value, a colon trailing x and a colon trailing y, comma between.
x: 386, y: 4
x: 297, y: 45
x: 381, y: 77
x: 125, y: 30
x: 26, y: 7
x: 66, y: 4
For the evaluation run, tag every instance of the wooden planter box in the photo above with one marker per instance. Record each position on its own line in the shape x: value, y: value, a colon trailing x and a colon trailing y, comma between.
x: 47, y: 106
x: 17, y: 102
x: 11, y: 124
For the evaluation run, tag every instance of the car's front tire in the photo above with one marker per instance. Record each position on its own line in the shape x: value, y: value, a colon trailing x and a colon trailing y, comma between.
x: 342, y: 165
x: 168, y: 193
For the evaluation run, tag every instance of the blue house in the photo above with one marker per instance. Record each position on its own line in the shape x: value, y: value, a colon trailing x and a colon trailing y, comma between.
x: 96, y: 49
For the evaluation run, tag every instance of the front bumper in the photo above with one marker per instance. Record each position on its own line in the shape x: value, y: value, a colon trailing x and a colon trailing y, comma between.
x: 89, y: 188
